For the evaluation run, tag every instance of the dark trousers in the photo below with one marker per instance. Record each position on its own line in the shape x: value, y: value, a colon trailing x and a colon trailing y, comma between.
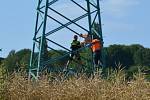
x: 97, y: 57
x: 75, y: 54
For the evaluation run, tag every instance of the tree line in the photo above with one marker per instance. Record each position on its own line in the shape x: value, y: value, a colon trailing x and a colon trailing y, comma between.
x: 133, y: 55
x: 128, y: 56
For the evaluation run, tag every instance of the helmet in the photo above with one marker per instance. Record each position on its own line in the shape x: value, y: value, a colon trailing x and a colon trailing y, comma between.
x: 75, y: 37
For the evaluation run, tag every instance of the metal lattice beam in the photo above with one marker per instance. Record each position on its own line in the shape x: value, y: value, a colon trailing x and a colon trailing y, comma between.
x: 41, y: 39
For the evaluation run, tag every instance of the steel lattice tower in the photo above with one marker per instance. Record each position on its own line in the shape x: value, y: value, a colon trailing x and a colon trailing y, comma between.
x: 44, y: 28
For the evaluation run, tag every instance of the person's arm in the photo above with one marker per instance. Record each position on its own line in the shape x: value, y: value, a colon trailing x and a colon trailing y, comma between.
x: 84, y: 35
x: 79, y: 44
x: 71, y: 45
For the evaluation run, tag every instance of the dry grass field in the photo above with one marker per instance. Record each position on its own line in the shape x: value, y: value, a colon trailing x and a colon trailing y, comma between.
x: 112, y: 88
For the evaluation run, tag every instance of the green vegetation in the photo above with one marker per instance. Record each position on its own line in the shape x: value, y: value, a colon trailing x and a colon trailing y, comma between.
x: 114, y: 84
x: 131, y: 57
x: 3, y: 77
x: 128, y: 56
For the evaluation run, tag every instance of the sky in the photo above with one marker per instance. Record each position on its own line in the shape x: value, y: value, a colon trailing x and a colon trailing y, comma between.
x: 123, y: 22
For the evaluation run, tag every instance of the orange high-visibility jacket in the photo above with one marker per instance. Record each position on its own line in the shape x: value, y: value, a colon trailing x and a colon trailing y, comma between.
x: 96, y: 45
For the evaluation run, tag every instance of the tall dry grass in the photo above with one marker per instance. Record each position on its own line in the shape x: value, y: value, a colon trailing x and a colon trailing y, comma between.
x: 115, y: 87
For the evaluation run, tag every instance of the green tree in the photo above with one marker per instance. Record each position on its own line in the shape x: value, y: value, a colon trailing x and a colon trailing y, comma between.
x: 119, y: 54
x: 17, y: 60
x: 10, y: 61
x: 96, y: 30
x: 22, y: 59
x: 3, y: 79
x: 146, y: 57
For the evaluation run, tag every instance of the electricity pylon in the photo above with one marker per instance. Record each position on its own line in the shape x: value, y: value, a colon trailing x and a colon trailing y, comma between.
x: 50, y: 12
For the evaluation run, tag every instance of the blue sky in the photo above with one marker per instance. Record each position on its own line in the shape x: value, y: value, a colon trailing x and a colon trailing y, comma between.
x: 124, y: 22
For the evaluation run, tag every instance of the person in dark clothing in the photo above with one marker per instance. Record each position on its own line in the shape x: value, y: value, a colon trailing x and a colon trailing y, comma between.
x: 71, y: 70
x: 75, y: 45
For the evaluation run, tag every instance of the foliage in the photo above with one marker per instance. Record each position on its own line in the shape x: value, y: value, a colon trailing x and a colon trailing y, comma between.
x: 97, y: 29
x: 129, y: 56
x: 17, y: 60
x: 57, y: 65
x: 3, y: 77
x: 119, y: 54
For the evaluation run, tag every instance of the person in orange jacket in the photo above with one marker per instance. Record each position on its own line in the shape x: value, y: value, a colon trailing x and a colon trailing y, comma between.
x: 96, y: 46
